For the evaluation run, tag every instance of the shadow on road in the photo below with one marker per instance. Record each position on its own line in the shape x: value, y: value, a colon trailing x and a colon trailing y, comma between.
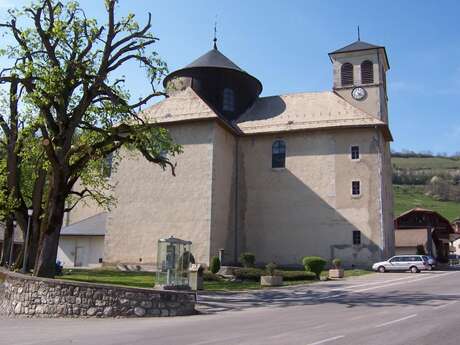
x: 301, y: 296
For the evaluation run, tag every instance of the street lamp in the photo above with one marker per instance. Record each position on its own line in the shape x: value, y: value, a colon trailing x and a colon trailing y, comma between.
x: 10, y: 261
x: 26, y: 241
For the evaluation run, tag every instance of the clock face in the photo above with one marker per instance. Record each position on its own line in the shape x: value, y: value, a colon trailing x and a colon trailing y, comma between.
x: 358, y: 93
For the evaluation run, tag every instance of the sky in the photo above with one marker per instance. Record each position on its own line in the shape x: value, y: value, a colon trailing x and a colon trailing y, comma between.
x: 284, y: 43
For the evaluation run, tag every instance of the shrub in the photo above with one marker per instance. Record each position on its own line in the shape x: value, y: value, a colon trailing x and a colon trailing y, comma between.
x: 314, y: 264
x: 420, y: 249
x: 252, y: 274
x: 270, y: 268
x: 297, y: 275
x: 211, y: 277
x: 215, y: 264
x: 247, y: 259
x: 337, y: 263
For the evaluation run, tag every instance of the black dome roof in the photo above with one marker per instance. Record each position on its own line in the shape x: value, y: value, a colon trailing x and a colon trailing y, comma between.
x: 214, y: 59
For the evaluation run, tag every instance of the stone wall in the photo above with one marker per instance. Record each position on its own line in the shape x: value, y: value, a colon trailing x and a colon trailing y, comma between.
x: 22, y: 295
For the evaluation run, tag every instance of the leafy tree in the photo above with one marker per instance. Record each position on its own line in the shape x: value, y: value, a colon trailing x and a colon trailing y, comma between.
x: 66, y: 64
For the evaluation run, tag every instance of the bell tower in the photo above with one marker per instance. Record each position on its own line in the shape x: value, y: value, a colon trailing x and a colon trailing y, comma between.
x: 359, y: 71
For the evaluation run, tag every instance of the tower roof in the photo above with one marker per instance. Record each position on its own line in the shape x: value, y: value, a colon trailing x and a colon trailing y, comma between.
x: 214, y: 58
x: 358, y: 45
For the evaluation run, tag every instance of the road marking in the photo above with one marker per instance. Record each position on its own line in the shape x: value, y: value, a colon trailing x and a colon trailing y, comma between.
x: 445, y: 305
x: 327, y: 340
x: 404, y: 282
x: 395, y: 321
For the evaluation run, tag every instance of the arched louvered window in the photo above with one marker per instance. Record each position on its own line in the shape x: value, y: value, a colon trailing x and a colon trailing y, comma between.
x: 279, y: 154
x: 347, y: 74
x: 367, y: 72
x: 228, y: 100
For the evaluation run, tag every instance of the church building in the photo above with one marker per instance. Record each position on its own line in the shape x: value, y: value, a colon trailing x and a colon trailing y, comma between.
x: 281, y: 176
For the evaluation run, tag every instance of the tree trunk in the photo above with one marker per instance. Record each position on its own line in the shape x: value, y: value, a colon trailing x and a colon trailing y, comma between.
x: 7, y: 238
x: 51, y: 226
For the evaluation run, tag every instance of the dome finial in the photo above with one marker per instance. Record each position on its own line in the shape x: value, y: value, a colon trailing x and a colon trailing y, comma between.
x: 215, y: 34
x: 359, y: 36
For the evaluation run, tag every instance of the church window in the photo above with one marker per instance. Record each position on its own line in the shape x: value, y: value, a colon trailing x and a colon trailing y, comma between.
x: 228, y: 101
x: 355, y: 152
x: 279, y: 154
x: 347, y: 74
x: 356, y: 237
x: 355, y: 188
x: 367, y: 72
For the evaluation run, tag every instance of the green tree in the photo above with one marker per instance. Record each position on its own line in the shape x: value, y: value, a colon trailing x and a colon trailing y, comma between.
x: 67, y: 65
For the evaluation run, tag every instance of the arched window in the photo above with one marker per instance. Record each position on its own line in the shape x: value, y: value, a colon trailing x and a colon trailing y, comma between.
x: 347, y: 74
x: 278, y: 154
x: 367, y: 72
x: 228, y: 100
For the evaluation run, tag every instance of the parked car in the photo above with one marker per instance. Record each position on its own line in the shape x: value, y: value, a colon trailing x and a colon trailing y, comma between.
x: 431, y: 262
x: 413, y: 263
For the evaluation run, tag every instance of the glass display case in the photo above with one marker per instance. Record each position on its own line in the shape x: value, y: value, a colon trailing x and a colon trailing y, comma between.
x: 173, y: 261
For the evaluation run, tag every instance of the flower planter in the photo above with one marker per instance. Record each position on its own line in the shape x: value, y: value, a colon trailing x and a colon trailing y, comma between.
x: 271, y: 280
x: 336, y: 273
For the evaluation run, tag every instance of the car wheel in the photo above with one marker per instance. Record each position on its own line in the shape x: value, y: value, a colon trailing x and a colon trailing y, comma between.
x: 414, y: 269
x: 381, y: 269
x: 430, y: 267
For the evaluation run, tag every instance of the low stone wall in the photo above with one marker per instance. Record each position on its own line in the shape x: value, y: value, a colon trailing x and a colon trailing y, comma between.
x: 22, y: 295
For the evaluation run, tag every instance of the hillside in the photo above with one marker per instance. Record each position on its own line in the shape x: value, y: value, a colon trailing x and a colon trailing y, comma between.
x: 411, y: 177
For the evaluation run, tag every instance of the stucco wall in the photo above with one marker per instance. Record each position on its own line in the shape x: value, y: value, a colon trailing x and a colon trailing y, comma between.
x: 84, y: 251
x: 223, y: 194
x: 153, y: 204
x: 375, y: 102
x: 307, y: 208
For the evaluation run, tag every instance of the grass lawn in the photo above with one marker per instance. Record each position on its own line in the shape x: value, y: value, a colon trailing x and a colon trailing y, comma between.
x: 147, y: 279
x: 408, y: 197
x: 434, y: 163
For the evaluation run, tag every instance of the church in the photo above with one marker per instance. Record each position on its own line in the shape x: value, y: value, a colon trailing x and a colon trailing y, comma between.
x: 282, y: 176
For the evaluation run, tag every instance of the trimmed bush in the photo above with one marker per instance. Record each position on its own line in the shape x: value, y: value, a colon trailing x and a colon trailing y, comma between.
x: 270, y: 268
x: 215, y: 264
x: 314, y: 264
x: 337, y: 263
x: 252, y: 274
x: 296, y: 275
x: 247, y: 259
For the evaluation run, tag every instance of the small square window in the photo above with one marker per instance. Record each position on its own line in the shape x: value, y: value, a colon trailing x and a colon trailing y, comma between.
x: 356, y: 237
x: 355, y: 152
x: 355, y: 188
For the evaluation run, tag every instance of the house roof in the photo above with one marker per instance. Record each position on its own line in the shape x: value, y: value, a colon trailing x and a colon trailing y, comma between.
x: 91, y: 226
x: 17, y: 234
x: 301, y: 111
x: 185, y: 105
x: 443, y: 220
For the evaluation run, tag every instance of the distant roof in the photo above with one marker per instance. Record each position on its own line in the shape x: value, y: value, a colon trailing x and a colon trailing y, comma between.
x: 358, y: 45
x: 437, y: 215
x: 17, y: 234
x: 91, y: 226
x: 214, y: 58
x: 312, y: 110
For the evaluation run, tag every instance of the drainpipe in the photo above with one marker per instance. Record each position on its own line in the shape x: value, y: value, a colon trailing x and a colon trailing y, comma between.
x: 235, y: 233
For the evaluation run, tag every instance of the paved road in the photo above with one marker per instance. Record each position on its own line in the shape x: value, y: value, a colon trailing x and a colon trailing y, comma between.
x: 377, y: 309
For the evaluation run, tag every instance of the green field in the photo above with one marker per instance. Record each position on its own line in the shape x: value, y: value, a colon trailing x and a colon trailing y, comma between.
x: 407, y: 197
x: 435, y: 163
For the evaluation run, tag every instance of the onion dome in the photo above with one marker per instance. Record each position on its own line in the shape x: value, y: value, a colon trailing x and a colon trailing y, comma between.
x: 219, y: 81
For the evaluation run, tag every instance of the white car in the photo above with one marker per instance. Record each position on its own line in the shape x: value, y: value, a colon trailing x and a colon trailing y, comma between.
x: 413, y: 263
